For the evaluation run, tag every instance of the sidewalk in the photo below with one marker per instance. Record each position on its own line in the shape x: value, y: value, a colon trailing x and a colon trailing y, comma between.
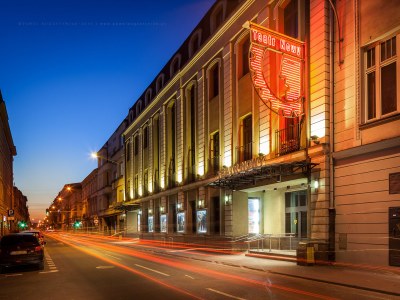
x: 384, y: 280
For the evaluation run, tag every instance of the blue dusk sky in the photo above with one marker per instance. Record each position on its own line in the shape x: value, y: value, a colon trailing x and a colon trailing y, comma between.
x: 69, y: 72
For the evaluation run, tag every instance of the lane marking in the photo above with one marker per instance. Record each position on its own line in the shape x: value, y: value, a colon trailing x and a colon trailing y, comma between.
x: 224, y: 294
x: 13, y: 275
x: 151, y: 270
x: 189, y: 276
x: 45, y: 272
x: 104, y: 267
x: 113, y: 256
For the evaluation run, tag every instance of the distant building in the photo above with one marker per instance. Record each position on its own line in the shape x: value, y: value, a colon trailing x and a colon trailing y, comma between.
x: 110, y: 197
x: 89, y: 202
x: 67, y: 208
x: 7, y: 153
x: 21, y: 213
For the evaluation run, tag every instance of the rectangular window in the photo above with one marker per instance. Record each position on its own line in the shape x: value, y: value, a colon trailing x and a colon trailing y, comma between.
x: 136, y: 145
x: 245, y: 57
x: 381, y: 88
x: 128, y: 151
x: 214, y: 81
x: 145, y: 137
x: 291, y: 19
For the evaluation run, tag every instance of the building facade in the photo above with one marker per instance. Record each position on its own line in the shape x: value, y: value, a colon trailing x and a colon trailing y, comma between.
x: 276, y: 120
x: 208, y: 158
x: 89, y: 201
x: 21, y: 213
x: 111, y: 185
x: 7, y: 153
x: 366, y: 139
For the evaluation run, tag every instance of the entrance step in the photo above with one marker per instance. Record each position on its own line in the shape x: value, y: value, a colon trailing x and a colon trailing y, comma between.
x: 276, y: 255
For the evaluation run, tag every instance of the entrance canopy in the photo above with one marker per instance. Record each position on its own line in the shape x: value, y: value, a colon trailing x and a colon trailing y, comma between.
x: 240, y: 176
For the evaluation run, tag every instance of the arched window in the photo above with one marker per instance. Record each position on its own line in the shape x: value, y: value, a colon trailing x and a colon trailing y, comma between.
x: 139, y: 107
x: 194, y: 43
x: 147, y: 97
x: 218, y: 16
x: 160, y: 83
x: 175, y: 65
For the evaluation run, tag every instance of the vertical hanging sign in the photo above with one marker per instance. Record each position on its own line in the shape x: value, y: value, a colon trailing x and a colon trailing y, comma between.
x: 277, y: 70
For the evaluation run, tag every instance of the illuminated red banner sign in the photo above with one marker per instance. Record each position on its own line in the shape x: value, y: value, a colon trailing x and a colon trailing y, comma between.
x: 277, y: 69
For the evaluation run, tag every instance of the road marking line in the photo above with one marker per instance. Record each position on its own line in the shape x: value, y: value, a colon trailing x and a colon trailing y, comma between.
x: 113, y: 256
x: 184, y: 250
x: 152, y: 270
x: 53, y: 271
x: 227, y: 295
x: 189, y: 276
x: 13, y: 275
x: 104, y: 267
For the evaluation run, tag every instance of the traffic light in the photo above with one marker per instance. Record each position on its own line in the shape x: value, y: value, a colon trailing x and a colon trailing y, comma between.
x: 22, y: 224
x: 77, y: 224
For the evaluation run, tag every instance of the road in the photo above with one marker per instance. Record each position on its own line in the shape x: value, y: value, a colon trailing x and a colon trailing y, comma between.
x: 95, y: 267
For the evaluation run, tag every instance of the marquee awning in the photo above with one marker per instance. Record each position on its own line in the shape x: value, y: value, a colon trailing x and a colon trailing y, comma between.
x: 239, y: 178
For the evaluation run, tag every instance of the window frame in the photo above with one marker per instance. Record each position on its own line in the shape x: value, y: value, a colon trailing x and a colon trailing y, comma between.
x: 377, y: 69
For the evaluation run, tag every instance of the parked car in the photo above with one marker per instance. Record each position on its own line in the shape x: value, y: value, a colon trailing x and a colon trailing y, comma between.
x: 21, y: 249
x: 38, y: 234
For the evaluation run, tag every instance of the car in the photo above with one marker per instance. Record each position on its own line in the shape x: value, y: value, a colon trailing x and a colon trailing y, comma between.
x: 18, y: 249
x: 38, y: 234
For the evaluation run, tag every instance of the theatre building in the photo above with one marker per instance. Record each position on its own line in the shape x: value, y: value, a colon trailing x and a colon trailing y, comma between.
x: 233, y: 142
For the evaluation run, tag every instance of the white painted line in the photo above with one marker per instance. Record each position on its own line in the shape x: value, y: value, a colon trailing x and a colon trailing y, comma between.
x: 53, y: 268
x: 152, y: 270
x: 13, y: 275
x: 227, y: 295
x: 104, y: 267
x: 53, y: 271
x: 189, y: 276
x: 113, y: 256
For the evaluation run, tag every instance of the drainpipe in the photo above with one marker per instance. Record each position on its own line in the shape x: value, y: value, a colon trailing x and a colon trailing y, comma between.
x: 332, y: 210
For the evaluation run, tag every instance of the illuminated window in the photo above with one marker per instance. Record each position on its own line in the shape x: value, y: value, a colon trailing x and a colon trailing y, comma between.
x: 381, y: 88
x: 214, y: 152
x: 245, y: 149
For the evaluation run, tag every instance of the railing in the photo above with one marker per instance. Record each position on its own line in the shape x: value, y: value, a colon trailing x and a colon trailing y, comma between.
x: 245, y: 152
x: 213, y: 163
x: 267, y: 242
x: 287, y: 140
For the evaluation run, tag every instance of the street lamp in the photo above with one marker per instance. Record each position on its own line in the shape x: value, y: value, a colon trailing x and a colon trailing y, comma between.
x: 94, y: 155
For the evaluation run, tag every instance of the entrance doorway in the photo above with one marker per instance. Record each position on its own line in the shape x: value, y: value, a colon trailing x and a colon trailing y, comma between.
x: 254, y: 215
x: 296, y: 213
x: 394, y: 236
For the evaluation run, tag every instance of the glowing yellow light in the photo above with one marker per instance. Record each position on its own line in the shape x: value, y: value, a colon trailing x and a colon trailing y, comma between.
x: 94, y: 155
x: 228, y: 159
x: 201, y: 169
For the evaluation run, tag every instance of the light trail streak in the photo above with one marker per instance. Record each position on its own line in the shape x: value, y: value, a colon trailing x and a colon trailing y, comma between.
x: 185, y: 267
x: 225, y: 294
x: 155, y: 271
x: 131, y: 270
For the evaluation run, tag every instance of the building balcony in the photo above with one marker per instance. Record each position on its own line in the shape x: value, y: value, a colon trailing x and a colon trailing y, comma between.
x: 287, y: 140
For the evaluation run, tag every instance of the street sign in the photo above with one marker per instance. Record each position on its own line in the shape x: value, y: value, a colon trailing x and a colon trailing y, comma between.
x: 10, y: 218
x: 11, y: 213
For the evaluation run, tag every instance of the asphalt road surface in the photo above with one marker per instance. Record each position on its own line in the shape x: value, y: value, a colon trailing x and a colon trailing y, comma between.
x: 95, y: 267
